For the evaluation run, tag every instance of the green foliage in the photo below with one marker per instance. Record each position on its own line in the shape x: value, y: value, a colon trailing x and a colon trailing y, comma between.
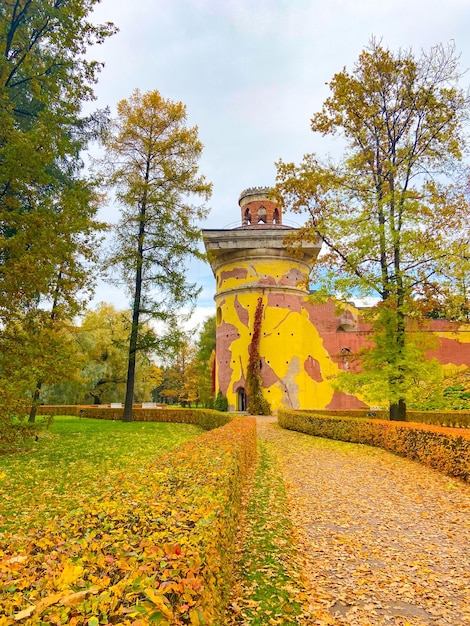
x: 47, y: 207
x: 16, y: 435
x: 444, y: 449
x: 392, y: 213
x: 373, y: 371
x: 220, y: 402
x: 161, y: 551
x: 451, y: 391
x: 101, y: 345
x: 204, y: 360
x: 257, y: 403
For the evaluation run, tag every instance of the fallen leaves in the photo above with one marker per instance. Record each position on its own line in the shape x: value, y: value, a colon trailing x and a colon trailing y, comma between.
x: 385, y: 539
x: 269, y: 587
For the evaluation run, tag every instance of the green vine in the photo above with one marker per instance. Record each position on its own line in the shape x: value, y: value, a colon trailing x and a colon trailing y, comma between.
x: 257, y: 403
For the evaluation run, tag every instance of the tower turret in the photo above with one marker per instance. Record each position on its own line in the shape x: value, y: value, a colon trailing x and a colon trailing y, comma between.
x: 259, y: 209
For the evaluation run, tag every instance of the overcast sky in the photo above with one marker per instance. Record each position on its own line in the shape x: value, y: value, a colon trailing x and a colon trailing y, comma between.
x: 252, y: 73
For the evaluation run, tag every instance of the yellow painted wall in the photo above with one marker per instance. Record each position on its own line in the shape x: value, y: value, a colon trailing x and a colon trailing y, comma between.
x: 288, y: 336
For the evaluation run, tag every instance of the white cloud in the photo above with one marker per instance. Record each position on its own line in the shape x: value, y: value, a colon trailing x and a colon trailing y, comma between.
x: 253, y: 73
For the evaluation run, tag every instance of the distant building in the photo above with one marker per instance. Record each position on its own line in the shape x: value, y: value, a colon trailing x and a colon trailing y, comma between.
x: 303, y: 345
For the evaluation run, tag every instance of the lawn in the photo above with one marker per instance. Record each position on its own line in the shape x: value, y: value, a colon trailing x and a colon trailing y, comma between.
x: 269, y: 588
x: 74, y: 461
x: 85, y: 496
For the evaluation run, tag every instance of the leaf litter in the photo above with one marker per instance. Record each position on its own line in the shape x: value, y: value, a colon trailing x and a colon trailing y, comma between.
x: 385, y: 540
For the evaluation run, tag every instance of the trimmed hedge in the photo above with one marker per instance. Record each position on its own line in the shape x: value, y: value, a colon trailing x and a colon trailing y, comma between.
x: 453, y: 419
x: 205, y: 418
x: 443, y: 449
x: 159, y: 548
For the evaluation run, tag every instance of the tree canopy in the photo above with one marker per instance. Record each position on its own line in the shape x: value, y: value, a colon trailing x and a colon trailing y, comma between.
x: 391, y: 214
x: 47, y: 207
x: 48, y: 226
x: 152, y: 166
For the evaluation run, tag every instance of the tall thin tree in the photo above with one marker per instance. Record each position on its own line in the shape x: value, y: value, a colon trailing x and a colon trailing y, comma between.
x: 152, y: 156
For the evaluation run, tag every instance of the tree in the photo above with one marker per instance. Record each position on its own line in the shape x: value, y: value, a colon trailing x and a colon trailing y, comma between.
x: 33, y: 348
x: 204, y: 360
x: 101, y: 343
x: 152, y: 159
x: 47, y: 206
x: 391, y: 214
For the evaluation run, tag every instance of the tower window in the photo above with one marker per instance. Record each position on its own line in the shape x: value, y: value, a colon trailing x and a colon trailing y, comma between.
x: 262, y: 215
x: 247, y: 216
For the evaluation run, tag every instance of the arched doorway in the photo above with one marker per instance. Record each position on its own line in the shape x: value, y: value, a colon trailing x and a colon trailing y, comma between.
x: 241, y: 399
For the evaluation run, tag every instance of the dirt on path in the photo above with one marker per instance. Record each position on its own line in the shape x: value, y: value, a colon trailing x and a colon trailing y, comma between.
x: 385, y: 540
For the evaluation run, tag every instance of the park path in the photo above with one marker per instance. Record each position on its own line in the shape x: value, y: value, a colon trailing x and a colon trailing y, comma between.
x: 385, y: 540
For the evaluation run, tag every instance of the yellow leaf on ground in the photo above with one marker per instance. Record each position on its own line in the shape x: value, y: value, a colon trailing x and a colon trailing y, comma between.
x: 25, y: 613
x: 70, y: 574
x: 17, y: 559
x: 74, y: 598
x: 49, y: 600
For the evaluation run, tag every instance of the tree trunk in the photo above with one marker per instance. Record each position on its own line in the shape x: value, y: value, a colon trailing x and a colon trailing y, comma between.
x: 130, y: 383
x: 133, y: 340
x: 398, y: 410
x: 35, y: 403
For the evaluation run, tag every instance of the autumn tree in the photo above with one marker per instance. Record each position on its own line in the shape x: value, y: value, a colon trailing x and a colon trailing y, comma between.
x: 181, y: 376
x: 152, y: 157
x: 47, y: 205
x: 204, y: 360
x: 391, y: 213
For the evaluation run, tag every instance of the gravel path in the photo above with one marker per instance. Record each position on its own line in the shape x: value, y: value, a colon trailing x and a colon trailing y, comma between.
x: 386, y: 540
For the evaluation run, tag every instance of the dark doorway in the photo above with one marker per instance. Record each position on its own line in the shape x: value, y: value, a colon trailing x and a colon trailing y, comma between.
x: 241, y: 399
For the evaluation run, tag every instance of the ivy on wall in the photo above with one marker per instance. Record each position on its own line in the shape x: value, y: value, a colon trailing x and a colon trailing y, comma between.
x: 257, y: 403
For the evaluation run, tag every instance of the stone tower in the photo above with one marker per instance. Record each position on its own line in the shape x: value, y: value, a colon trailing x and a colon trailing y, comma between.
x: 254, y: 267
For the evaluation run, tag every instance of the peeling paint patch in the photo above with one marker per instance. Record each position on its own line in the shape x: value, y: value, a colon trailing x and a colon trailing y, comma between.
x: 292, y: 278
x: 242, y: 312
x: 239, y: 273
x: 288, y: 301
x: 226, y: 333
x: 341, y: 400
x: 312, y: 367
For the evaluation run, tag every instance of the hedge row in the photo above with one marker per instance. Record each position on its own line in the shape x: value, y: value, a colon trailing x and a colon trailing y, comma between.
x: 157, y: 548
x: 444, y: 449
x: 453, y: 419
x: 205, y: 418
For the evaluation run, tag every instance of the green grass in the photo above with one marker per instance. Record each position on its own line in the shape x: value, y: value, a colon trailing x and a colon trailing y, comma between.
x: 270, y: 588
x: 74, y: 461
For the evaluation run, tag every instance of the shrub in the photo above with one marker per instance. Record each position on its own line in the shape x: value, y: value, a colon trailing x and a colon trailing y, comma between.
x: 205, y: 418
x: 454, y: 419
x: 158, y: 548
x: 220, y: 402
x: 17, y: 435
x: 444, y: 449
